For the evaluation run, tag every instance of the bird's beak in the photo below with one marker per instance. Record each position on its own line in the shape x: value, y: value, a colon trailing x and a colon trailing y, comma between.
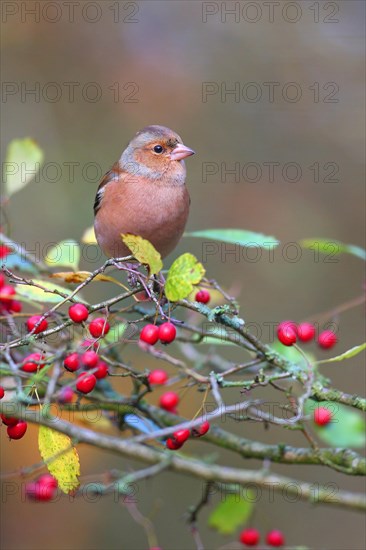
x: 181, y: 152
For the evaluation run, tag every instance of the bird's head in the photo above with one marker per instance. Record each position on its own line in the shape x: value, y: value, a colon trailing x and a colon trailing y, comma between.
x: 156, y: 152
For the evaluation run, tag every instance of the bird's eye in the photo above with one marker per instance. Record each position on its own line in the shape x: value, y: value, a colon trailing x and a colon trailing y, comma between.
x: 158, y: 149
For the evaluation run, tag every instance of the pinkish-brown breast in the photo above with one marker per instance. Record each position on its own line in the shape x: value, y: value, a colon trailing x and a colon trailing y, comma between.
x: 155, y: 211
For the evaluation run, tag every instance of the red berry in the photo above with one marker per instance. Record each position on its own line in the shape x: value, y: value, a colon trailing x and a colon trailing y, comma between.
x: 275, y: 538
x: 150, y: 334
x: 90, y: 359
x: 99, y: 327
x: 71, y: 362
x: 322, y: 416
x: 158, y: 377
x: 286, y: 333
x: 78, y: 313
x: 327, y: 339
x: 2, y: 392
x: 32, y: 321
x: 48, y: 479
x: 102, y: 370
x: 86, y: 382
x: 6, y: 293
x: 181, y: 436
x: 9, y: 420
x: 203, y: 296
x: 4, y: 250
x: 43, y: 489
x: 250, y: 537
x: 306, y: 332
x: 198, y: 431
x: 172, y: 444
x: 167, y: 333
x: 66, y: 395
x: 16, y: 306
x: 289, y: 323
x: 42, y: 493
x: 2, y: 280
x: 17, y: 431
x: 32, y: 362
x: 169, y: 401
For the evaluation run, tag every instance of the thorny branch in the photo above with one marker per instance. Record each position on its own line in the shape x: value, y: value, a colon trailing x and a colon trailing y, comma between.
x: 207, y: 372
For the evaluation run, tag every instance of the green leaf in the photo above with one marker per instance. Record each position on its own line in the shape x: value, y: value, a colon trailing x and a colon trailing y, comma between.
x: 65, y: 253
x: 346, y: 355
x: 292, y: 354
x: 236, y: 236
x: 23, y: 160
x: 144, y: 252
x: 115, y: 334
x: 38, y: 294
x: 231, y: 513
x: 221, y: 341
x: 346, y: 429
x: 184, y: 272
x: 38, y: 379
x: 62, y: 458
x: 333, y: 247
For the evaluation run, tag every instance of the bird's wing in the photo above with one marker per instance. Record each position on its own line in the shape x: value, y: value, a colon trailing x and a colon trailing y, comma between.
x: 111, y: 175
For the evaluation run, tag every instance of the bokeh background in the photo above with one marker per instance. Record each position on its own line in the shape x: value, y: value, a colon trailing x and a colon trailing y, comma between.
x: 174, y: 63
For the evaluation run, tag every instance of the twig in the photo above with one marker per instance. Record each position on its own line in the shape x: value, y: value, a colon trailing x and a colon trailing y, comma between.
x: 209, y: 472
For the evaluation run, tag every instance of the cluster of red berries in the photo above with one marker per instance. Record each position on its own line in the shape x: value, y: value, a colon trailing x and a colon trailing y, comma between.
x: 251, y: 537
x: 7, y: 302
x: 89, y: 360
x: 78, y: 313
x: 166, y: 333
x: 288, y: 332
x: 43, y: 489
x: 15, y: 428
x: 169, y: 402
x: 97, y: 327
x: 180, y: 436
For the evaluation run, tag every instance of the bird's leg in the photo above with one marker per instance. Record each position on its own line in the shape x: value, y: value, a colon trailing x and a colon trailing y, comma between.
x: 132, y: 277
x: 132, y: 273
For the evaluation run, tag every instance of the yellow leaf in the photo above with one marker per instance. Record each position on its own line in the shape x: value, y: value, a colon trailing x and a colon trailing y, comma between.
x: 63, y: 464
x: 71, y: 276
x: 81, y: 276
x: 185, y: 272
x: 89, y: 236
x: 143, y: 251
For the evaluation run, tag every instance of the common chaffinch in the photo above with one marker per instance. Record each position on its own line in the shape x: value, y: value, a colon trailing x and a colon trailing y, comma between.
x: 144, y: 193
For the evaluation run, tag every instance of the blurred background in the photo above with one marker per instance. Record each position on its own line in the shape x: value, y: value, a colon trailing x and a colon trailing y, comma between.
x: 271, y: 98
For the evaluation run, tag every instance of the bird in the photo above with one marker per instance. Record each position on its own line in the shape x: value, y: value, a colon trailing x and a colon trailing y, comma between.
x: 144, y: 193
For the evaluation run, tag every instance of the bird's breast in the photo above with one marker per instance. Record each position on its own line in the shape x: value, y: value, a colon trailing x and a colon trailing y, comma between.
x: 155, y: 211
